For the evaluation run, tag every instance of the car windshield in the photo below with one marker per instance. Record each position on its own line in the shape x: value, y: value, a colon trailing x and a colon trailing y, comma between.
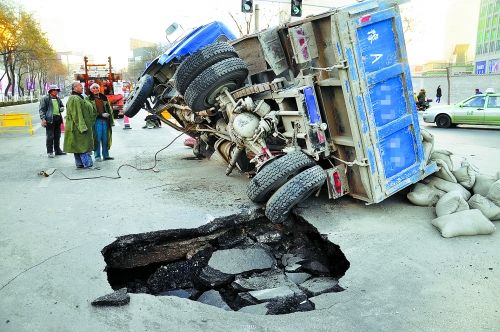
x: 494, y: 102
x: 475, y: 102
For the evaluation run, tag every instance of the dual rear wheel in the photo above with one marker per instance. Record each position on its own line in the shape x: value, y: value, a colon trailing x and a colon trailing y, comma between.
x: 285, y: 182
x: 207, y: 72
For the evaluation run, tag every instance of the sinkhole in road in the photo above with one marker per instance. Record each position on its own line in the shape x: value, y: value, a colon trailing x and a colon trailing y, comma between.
x: 240, y: 262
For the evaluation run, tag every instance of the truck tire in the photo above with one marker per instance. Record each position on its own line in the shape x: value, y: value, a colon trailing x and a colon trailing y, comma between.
x: 205, y: 57
x: 229, y: 73
x: 293, y: 192
x: 443, y: 121
x: 138, y: 95
x: 277, y: 173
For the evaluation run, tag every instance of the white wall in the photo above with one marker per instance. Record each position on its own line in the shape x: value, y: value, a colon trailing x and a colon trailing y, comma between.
x: 461, y: 87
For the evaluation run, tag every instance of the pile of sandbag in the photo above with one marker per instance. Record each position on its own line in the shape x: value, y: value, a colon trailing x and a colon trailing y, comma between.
x: 466, y: 201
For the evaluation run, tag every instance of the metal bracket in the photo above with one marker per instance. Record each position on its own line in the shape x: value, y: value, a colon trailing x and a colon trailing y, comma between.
x: 342, y: 65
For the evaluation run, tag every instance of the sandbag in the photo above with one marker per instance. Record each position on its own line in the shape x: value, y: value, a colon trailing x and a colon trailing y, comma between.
x: 427, y: 142
x: 466, y: 175
x: 467, y: 222
x: 427, y: 151
x: 483, y: 184
x: 447, y: 186
x: 444, y: 172
x: 426, y: 136
x: 450, y: 203
x: 494, y: 193
x: 486, y: 206
x: 424, y: 195
x: 444, y: 155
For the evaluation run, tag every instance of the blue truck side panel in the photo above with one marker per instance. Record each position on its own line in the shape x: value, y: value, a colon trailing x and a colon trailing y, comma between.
x: 378, y: 57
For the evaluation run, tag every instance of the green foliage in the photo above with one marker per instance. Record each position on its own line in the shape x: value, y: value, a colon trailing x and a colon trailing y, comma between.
x: 19, y: 102
x: 24, y: 48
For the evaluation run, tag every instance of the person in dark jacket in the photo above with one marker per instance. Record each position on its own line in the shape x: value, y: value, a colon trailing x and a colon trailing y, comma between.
x: 50, y: 111
x: 438, y: 94
x: 104, y: 122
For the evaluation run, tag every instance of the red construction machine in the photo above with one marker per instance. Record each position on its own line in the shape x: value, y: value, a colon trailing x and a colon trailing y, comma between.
x: 110, y: 83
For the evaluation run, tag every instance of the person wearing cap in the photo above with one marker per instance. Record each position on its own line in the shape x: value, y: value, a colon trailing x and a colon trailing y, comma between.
x: 50, y: 111
x: 79, y: 132
x: 103, y: 123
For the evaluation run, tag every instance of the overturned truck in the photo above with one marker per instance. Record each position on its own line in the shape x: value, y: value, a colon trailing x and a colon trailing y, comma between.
x: 325, y: 99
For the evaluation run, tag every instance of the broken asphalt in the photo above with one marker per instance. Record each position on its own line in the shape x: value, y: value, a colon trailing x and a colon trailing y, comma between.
x: 403, y: 274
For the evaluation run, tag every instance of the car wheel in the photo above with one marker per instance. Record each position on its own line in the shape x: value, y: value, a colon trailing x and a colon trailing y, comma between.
x: 229, y: 73
x: 205, y: 57
x: 298, y: 189
x: 277, y: 173
x: 443, y: 121
x: 138, y: 95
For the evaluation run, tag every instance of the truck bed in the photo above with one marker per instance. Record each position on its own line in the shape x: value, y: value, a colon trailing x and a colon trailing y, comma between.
x: 355, y: 59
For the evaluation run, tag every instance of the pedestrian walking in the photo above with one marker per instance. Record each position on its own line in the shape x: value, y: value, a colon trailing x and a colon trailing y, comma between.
x: 104, y: 122
x: 79, y: 133
x: 478, y: 92
x: 438, y: 94
x: 50, y: 110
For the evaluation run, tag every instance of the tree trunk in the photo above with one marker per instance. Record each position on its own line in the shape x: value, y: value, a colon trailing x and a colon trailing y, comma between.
x: 6, y: 67
x: 20, y: 87
x: 12, y: 70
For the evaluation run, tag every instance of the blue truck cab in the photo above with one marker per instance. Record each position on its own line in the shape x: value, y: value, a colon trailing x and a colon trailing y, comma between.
x: 164, y: 66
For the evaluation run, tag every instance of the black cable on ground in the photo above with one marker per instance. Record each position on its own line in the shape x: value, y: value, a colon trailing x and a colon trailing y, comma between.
x: 118, y: 176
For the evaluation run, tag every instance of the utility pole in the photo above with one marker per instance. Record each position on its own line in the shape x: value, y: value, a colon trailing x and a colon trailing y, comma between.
x: 448, y: 79
x: 256, y: 17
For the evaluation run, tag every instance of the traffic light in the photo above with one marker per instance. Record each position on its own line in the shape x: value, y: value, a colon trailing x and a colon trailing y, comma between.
x: 296, y: 8
x: 247, y: 6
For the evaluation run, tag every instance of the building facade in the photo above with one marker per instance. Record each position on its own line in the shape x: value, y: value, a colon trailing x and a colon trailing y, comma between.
x: 488, y: 38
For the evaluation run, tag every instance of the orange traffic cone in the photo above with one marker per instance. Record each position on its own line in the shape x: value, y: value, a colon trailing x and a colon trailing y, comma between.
x: 62, y: 126
x: 126, y: 122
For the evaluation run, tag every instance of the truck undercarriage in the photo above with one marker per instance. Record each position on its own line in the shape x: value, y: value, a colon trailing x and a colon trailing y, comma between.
x: 296, y: 106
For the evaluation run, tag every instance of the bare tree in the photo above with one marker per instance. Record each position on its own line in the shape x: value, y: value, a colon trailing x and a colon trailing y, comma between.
x: 243, y: 28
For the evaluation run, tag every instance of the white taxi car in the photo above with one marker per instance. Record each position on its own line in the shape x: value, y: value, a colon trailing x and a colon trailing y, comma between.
x: 482, y: 109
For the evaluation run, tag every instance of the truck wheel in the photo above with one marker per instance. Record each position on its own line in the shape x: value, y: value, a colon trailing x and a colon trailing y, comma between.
x: 138, y: 95
x: 277, y: 173
x: 201, y: 60
x: 293, y: 192
x: 229, y: 73
x: 443, y: 121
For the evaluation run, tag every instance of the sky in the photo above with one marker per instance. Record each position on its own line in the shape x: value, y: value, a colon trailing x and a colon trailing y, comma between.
x: 102, y: 29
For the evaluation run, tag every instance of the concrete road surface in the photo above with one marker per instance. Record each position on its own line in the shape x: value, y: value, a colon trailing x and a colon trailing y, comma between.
x: 404, y: 276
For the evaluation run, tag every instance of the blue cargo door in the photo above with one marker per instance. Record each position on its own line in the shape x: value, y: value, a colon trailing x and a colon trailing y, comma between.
x: 396, y: 154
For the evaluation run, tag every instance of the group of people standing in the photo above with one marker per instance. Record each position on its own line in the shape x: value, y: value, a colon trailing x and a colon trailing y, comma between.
x: 88, y: 124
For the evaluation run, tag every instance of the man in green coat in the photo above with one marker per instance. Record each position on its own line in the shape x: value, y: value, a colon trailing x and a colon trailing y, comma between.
x: 79, y: 133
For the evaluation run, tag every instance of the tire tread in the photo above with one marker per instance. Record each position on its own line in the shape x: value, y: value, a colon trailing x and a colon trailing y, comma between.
x: 293, y: 192
x: 274, y: 175
x: 207, y: 81
x: 146, y: 83
x: 195, y: 64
